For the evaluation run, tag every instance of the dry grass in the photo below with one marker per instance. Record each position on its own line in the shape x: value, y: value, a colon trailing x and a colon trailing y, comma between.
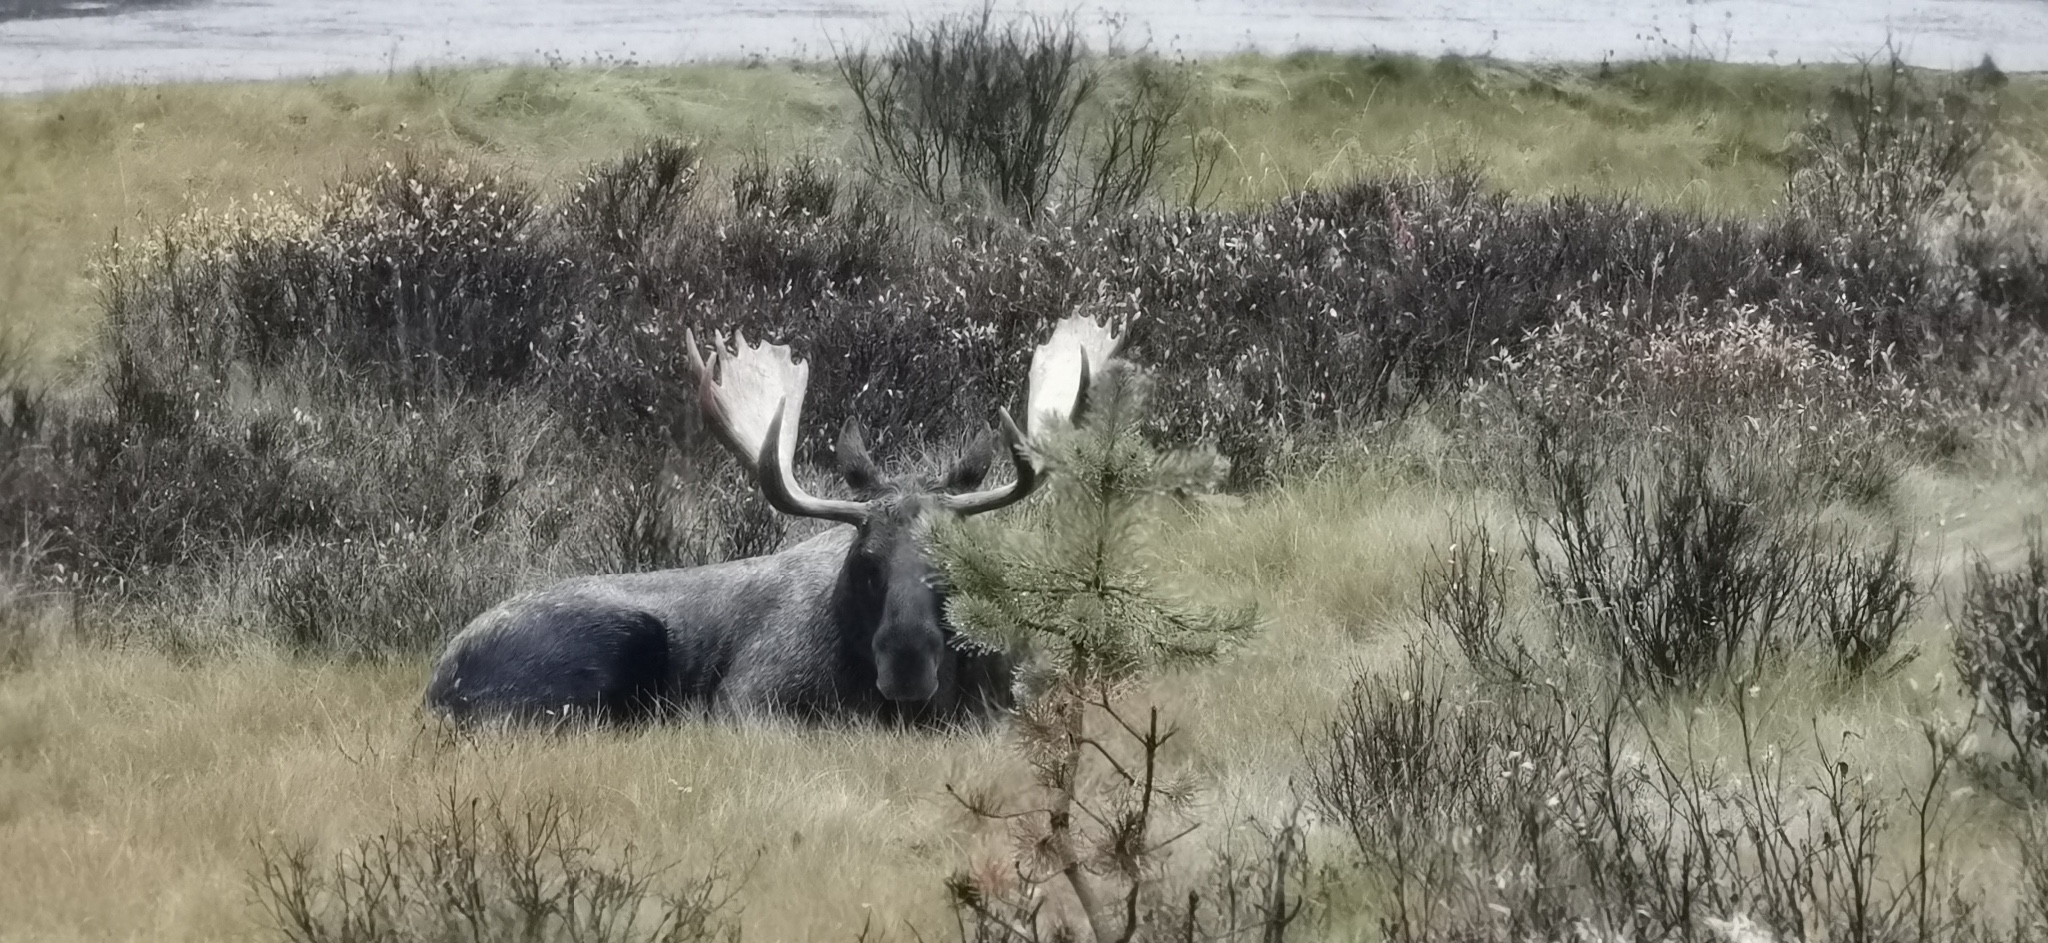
x: 133, y: 786
x: 130, y: 772
x: 134, y: 771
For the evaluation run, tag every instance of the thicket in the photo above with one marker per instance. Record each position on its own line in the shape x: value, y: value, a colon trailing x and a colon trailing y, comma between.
x: 430, y: 362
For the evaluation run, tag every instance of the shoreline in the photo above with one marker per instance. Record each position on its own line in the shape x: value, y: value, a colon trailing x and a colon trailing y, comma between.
x: 795, y: 65
x: 265, y: 40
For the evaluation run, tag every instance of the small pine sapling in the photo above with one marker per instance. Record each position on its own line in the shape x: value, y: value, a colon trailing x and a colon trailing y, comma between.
x: 1075, y: 594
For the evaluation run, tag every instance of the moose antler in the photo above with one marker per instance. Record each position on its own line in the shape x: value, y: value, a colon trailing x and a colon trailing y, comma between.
x: 989, y: 499
x: 1060, y: 372
x: 1063, y: 367
x: 753, y: 396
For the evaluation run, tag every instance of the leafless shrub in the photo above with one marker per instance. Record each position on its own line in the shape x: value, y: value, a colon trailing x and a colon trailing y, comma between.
x: 1530, y: 816
x: 2030, y: 921
x: 1676, y: 584
x: 373, y: 598
x: 25, y: 609
x: 673, y: 516
x: 23, y: 534
x: 804, y: 189
x: 2001, y: 646
x: 964, y: 105
x: 1402, y: 768
x: 1127, y: 149
x: 1711, y: 572
x: 478, y: 870
x: 644, y: 530
x: 1860, y: 602
x: 1465, y: 598
x: 1257, y: 889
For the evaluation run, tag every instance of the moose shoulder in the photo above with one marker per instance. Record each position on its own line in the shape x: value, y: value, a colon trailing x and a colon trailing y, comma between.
x: 848, y: 624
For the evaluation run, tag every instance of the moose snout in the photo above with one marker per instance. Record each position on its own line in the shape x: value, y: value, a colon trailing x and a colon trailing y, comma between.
x: 916, y: 684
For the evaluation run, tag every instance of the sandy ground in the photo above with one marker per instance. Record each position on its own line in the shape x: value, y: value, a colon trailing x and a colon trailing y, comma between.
x: 54, y: 44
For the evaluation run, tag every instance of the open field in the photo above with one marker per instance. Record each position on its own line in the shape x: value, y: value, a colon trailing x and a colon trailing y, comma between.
x: 137, y: 784
x: 374, y: 352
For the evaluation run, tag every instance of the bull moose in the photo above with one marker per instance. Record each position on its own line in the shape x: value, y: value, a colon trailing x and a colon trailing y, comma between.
x: 848, y: 624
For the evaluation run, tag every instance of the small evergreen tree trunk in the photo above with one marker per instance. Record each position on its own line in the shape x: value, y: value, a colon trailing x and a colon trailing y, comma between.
x: 1066, y: 773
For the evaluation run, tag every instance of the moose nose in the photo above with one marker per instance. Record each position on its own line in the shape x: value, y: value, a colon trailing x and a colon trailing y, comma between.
x: 918, y: 687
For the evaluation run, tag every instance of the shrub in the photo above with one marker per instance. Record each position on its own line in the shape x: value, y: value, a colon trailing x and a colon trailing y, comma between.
x: 1710, y: 572
x: 422, y: 276
x: 1861, y: 602
x: 1888, y: 148
x: 482, y: 870
x: 1525, y: 815
x: 1465, y: 599
x: 2001, y: 644
x: 1673, y: 585
x: 143, y: 498
x: 1420, y: 778
x: 343, y: 368
x: 2030, y: 921
x: 1835, y: 427
x: 660, y: 520
x: 1130, y: 145
x: 639, y: 200
x: 963, y: 106
x: 804, y: 189
x: 366, y: 598
x: 806, y: 241
x: 24, y: 623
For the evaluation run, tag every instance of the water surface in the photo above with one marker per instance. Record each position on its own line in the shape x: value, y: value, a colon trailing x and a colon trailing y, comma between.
x: 54, y: 44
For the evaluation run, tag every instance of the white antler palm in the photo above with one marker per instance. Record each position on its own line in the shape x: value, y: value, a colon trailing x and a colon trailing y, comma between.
x: 1062, y: 367
x: 753, y: 395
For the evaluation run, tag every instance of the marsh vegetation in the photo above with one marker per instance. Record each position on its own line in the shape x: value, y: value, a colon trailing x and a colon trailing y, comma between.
x: 1628, y: 469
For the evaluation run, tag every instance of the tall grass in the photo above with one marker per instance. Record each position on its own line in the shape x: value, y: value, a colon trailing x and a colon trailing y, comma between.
x: 325, y: 428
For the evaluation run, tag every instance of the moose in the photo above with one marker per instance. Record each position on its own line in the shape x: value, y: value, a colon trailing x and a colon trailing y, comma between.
x: 847, y: 625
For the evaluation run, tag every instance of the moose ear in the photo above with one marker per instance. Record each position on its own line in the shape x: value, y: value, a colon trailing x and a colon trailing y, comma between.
x: 854, y: 464
x: 967, y: 473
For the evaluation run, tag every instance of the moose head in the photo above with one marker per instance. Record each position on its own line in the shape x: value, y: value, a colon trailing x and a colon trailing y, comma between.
x: 888, y: 602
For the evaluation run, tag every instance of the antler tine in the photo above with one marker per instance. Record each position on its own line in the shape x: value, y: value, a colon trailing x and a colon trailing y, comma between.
x: 1061, y: 369
x: 978, y: 502
x: 752, y: 395
x: 714, y: 401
